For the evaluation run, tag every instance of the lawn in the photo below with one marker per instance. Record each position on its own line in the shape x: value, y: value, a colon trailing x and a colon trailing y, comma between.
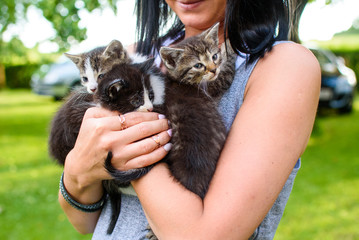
x: 28, y: 178
x: 324, y: 203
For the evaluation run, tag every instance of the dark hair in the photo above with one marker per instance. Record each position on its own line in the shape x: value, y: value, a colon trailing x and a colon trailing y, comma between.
x: 252, y: 25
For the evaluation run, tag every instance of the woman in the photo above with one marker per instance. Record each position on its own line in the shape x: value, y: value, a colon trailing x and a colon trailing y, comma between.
x: 269, y: 109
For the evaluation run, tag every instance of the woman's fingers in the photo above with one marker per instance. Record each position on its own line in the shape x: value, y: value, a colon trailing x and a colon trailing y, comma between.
x: 148, y: 159
x: 144, y: 129
x: 115, y: 121
x: 143, y: 147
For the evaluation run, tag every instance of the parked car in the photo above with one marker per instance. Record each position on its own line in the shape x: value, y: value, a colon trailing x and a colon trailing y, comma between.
x: 56, y: 80
x: 338, y: 82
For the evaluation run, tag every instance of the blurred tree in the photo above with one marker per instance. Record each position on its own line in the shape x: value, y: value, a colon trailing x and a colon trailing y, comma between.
x: 297, y: 8
x: 63, y: 15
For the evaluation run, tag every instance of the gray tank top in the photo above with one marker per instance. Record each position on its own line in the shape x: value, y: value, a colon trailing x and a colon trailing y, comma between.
x: 132, y: 223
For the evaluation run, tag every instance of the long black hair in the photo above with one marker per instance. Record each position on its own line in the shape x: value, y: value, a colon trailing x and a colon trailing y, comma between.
x: 252, y: 25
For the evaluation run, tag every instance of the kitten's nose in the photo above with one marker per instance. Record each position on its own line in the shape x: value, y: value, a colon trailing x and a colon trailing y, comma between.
x: 213, y: 70
x: 93, y: 89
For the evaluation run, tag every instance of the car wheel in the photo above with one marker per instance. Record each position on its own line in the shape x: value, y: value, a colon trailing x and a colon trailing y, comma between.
x: 346, y: 109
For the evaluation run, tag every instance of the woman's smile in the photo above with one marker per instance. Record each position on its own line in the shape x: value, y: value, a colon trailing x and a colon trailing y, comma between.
x: 189, y: 5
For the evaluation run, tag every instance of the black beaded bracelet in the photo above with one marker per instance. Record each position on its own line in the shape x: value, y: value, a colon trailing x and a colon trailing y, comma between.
x: 82, y: 207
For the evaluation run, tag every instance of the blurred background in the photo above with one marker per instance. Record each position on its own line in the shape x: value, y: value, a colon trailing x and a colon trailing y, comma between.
x: 35, y: 77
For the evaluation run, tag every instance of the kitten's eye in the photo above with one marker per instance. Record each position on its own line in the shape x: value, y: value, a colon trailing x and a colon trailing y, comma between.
x: 151, y: 95
x: 137, y: 101
x: 198, y: 65
x: 85, y: 79
x: 100, y: 76
x: 215, y: 57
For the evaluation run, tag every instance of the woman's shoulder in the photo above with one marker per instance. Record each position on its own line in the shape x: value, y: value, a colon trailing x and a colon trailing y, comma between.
x: 287, y: 64
x: 291, y: 49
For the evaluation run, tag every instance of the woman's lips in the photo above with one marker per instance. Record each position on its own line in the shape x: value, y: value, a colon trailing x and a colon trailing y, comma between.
x: 189, y: 5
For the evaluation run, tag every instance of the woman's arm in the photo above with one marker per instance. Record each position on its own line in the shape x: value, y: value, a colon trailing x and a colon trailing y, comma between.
x: 269, y: 134
x: 102, y: 131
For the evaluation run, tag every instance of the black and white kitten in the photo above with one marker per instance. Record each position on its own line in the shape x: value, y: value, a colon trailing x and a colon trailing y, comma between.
x: 124, y: 88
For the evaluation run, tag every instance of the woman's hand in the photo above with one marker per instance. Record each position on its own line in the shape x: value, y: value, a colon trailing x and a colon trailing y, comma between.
x: 132, y: 139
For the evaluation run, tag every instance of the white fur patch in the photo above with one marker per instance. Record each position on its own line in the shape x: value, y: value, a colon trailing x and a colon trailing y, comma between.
x: 90, y: 74
x: 147, y: 106
x: 158, y: 86
x: 138, y: 58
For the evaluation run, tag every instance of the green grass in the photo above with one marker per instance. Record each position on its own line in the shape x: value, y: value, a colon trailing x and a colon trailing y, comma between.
x: 324, y: 203
x: 28, y: 178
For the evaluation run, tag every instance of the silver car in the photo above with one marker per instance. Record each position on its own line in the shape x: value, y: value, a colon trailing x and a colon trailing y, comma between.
x: 338, y: 82
x: 56, y: 80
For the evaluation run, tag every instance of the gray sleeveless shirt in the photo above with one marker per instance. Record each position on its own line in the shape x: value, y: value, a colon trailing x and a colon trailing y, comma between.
x: 132, y: 223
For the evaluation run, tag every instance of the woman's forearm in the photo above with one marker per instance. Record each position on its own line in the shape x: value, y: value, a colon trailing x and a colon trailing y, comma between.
x: 84, y: 222
x: 176, y: 213
x: 168, y: 195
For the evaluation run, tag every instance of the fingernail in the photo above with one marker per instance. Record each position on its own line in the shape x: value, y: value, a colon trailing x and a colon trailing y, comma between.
x: 169, y: 131
x: 167, y: 147
x: 161, y: 116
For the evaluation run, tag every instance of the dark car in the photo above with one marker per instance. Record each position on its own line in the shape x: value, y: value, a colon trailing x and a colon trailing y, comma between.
x: 338, y: 82
x: 56, y: 80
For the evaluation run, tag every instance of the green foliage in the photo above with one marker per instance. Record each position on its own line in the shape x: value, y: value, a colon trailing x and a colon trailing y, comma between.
x: 323, y: 204
x: 20, y: 76
x: 63, y: 15
x: 20, y: 63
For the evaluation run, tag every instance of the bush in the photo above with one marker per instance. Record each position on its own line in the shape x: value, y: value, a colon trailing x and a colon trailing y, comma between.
x: 19, y: 76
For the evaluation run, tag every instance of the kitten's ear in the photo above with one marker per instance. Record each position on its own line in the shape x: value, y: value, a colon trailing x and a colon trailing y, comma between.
x: 75, y: 58
x: 115, y: 49
x: 212, y: 33
x: 115, y: 87
x: 170, y: 56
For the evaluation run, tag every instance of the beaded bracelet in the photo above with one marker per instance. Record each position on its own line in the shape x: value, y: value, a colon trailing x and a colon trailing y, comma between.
x: 82, y: 207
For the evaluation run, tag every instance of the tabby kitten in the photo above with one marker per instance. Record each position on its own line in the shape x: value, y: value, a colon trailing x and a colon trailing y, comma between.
x: 93, y: 64
x: 199, y: 73
x: 198, y: 61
